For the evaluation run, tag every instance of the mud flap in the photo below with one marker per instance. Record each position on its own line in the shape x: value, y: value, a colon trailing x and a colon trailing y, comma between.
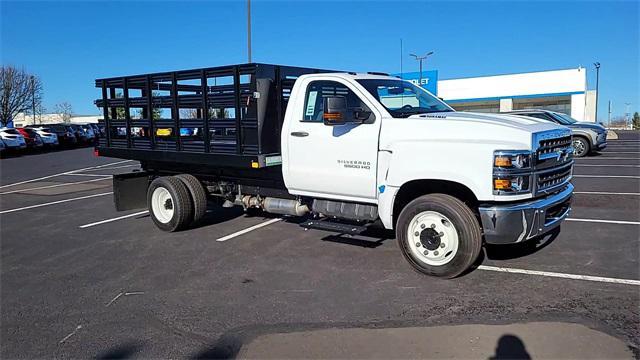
x: 130, y: 190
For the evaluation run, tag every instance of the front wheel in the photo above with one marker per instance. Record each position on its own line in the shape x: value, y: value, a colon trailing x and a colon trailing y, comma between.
x: 580, y: 147
x: 439, y: 235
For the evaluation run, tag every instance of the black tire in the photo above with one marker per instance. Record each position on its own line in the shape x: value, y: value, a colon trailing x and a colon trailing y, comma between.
x: 180, y: 202
x: 198, y: 195
x: 465, y: 223
x: 581, y: 146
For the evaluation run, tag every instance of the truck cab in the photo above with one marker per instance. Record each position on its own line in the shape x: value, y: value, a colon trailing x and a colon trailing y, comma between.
x: 357, y: 149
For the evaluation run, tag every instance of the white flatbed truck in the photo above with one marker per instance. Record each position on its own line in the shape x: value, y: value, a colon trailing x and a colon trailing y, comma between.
x: 342, y: 149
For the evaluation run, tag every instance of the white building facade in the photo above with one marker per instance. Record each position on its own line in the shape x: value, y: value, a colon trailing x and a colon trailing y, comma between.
x: 557, y: 90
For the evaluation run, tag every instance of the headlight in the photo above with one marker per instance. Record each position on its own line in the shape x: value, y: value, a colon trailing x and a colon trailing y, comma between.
x: 511, y: 184
x: 512, y: 159
x: 511, y: 172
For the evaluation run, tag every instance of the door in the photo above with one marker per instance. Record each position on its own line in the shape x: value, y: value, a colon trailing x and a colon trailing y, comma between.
x: 332, y: 161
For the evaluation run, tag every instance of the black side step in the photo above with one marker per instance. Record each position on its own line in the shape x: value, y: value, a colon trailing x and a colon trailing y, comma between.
x: 333, y: 226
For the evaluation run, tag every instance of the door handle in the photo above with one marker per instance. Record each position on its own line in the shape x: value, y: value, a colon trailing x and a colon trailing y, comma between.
x: 300, y: 133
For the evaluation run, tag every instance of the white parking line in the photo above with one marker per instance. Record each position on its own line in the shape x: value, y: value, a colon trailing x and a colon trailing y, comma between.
x: 561, y: 275
x: 608, y: 176
x: 74, y: 174
x: 52, y: 186
x: 113, y: 219
x: 621, y: 222
x: 605, y: 165
x: 54, y: 202
x: 249, y: 229
x: 605, y: 193
x: 622, y: 152
x: 607, y: 158
x: 63, y: 173
x: 112, y: 168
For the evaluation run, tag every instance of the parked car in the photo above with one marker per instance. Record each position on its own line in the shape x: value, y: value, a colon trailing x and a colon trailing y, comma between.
x: 88, y: 130
x: 12, y: 139
x: 65, y: 135
x: 3, y: 147
x: 587, y: 137
x: 81, y: 136
x: 32, y: 138
x: 48, y: 136
x: 96, y: 130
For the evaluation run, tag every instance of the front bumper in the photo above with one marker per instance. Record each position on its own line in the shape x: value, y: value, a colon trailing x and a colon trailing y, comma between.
x: 513, y: 223
x: 601, y: 141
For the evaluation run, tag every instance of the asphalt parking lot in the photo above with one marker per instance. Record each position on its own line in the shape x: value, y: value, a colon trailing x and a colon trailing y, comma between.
x: 80, y: 280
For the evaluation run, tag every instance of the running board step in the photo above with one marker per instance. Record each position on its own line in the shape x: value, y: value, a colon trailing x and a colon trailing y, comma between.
x: 333, y: 226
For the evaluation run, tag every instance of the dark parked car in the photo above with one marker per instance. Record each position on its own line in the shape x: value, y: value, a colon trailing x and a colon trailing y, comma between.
x: 587, y: 136
x: 66, y: 137
x: 31, y: 137
x: 80, y: 134
x: 89, y: 132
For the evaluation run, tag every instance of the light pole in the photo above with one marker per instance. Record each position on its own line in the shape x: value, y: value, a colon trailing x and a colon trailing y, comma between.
x: 249, y: 29
x: 419, y: 59
x: 33, y: 97
x: 597, y: 65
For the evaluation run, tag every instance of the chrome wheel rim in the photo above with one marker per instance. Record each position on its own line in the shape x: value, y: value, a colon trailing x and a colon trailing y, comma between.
x: 579, y: 147
x: 162, y: 205
x: 433, y: 239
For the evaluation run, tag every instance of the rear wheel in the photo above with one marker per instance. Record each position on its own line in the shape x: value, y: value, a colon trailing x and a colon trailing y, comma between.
x: 198, y: 195
x: 439, y: 235
x: 581, y: 146
x: 169, y: 203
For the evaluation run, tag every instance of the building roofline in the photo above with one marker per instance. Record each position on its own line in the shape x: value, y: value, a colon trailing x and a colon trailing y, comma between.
x: 517, y: 73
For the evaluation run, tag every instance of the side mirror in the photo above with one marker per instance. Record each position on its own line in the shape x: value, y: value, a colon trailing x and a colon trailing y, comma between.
x: 335, y: 110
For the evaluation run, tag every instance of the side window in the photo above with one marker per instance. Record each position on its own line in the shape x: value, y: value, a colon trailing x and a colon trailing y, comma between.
x: 539, y: 116
x: 318, y: 90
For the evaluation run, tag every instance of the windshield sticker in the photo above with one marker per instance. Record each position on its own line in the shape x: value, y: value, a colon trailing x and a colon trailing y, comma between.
x: 311, y: 103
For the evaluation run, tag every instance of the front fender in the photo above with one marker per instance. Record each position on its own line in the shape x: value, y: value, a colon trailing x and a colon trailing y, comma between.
x: 467, y: 163
x: 591, y: 135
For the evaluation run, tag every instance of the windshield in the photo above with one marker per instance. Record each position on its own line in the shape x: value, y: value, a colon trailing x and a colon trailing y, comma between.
x: 564, y: 119
x: 403, y: 99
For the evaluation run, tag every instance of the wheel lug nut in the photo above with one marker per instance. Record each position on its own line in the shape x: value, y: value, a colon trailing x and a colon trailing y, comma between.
x: 441, y: 234
x: 418, y: 244
x: 426, y: 252
x: 433, y: 226
x: 442, y: 245
x: 435, y: 253
x: 422, y: 226
x: 416, y: 233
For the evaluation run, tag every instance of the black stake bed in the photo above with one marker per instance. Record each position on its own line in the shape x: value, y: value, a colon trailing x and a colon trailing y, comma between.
x: 228, y: 116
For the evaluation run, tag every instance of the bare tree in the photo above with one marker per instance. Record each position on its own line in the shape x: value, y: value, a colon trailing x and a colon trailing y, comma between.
x: 18, y: 91
x: 65, y: 111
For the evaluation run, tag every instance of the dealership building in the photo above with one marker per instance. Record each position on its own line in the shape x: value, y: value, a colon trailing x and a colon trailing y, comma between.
x: 563, y: 91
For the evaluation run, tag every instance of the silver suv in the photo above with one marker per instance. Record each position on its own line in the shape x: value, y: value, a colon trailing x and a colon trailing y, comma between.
x: 587, y: 137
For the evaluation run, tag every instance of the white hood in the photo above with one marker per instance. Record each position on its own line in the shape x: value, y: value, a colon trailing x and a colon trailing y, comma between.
x: 504, y: 131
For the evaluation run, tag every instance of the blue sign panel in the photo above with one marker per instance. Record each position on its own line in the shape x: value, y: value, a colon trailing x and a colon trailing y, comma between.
x: 429, y: 79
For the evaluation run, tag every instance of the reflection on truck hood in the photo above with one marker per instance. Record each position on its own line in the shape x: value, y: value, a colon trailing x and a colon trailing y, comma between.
x: 494, y: 130
x: 520, y: 122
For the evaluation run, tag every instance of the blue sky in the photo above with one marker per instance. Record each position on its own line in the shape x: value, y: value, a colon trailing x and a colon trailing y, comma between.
x: 69, y: 44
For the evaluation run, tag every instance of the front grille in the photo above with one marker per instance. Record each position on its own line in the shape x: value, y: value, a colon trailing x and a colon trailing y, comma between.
x: 553, y: 160
x: 553, y: 178
x: 553, y: 152
x: 553, y: 146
